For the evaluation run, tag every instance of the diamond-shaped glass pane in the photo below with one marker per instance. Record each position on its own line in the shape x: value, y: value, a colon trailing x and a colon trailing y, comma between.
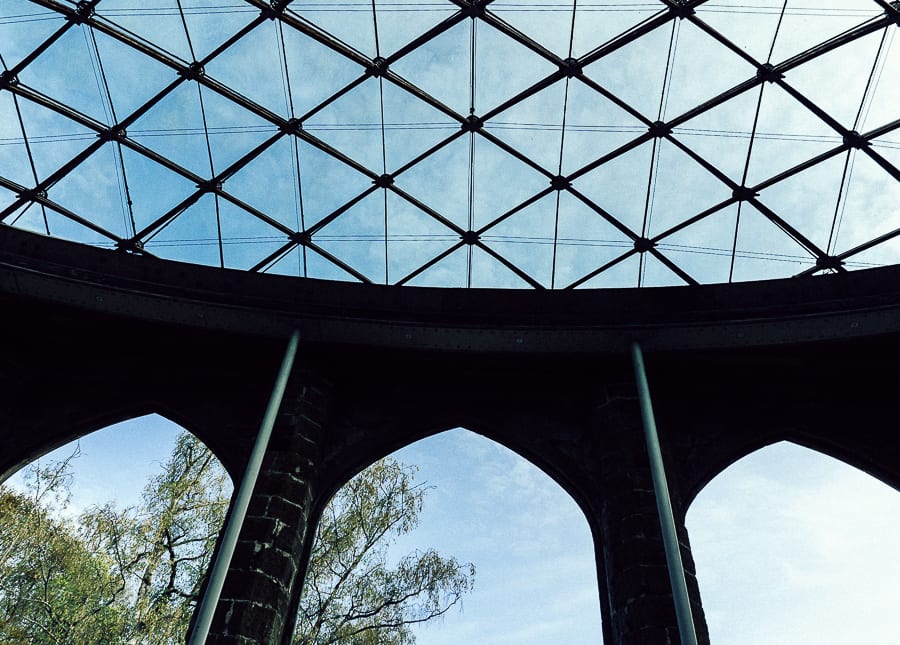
x: 517, y: 144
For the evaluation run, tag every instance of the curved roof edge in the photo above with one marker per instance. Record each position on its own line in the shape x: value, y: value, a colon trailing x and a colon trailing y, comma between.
x: 830, y: 307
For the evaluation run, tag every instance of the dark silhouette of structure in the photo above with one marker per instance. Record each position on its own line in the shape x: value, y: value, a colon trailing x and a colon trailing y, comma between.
x: 684, y: 148
x: 90, y: 338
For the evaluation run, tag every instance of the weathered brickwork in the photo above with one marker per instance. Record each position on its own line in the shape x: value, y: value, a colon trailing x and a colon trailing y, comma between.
x: 638, y: 591
x: 408, y: 363
x: 262, y: 588
x: 265, y: 571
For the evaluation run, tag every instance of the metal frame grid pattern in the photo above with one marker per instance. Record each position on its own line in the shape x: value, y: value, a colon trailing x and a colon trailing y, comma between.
x: 181, y: 128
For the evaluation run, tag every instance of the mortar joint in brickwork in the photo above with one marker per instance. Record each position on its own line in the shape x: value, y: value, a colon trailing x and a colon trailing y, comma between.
x: 267, y: 576
x: 311, y: 441
x: 618, y: 392
x: 309, y: 421
x: 228, y: 614
x: 275, y: 500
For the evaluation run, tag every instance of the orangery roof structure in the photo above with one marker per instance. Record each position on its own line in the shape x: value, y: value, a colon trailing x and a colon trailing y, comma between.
x: 513, y: 143
x: 554, y: 155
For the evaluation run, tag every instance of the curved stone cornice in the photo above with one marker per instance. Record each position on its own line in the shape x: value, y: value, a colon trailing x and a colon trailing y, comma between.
x: 854, y: 304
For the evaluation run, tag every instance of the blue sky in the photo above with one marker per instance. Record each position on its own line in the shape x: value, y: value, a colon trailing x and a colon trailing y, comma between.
x: 778, y: 534
x: 794, y: 547
x: 791, y: 547
x: 558, y: 239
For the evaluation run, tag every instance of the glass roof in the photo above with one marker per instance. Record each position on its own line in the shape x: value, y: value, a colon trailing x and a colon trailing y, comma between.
x: 513, y: 143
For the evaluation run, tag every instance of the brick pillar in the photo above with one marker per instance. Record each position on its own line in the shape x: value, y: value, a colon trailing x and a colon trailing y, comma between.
x: 265, y: 570
x: 634, y: 575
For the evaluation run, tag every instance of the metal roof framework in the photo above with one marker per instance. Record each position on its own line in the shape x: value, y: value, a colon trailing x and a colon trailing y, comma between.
x: 31, y: 202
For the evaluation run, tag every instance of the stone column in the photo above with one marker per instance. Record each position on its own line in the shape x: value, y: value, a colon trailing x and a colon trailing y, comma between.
x: 631, y: 557
x: 265, y: 570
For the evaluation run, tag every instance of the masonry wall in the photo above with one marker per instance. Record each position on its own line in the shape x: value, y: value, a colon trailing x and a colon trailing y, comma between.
x: 68, y: 370
x: 265, y: 574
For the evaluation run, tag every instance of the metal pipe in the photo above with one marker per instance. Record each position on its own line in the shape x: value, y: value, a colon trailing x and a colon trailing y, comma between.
x: 686, y: 628
x: 242, y: 499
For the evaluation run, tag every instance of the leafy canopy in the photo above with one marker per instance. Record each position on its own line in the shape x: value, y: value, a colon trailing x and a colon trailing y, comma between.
x: 133, y: 575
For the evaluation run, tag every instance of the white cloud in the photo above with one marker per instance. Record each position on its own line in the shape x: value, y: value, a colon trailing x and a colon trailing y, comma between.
x: 795, y: 547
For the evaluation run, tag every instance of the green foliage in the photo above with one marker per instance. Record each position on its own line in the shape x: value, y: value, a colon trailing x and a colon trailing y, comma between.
x: 350, y: 595
x: 112, y: 576
x: 133, y: 575
x: 162, y: 547
x: 53, y: 587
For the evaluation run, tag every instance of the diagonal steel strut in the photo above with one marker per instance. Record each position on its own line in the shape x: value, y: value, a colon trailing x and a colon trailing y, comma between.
x: 674, y: 564
x: 242, y: 499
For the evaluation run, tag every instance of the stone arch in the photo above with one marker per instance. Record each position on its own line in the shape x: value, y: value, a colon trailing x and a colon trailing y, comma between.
x: 384, y: 441
x: 861, y: 443
x: 114, y: 466
x: 59, y: 425
x: 550, y: 421
x: 792, y: 540
x: 151, y: 435
x: 475, y: 457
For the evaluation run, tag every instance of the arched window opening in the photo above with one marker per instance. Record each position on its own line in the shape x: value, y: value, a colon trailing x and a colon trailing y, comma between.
x: 535, y: 578
x: 792, y: 546
x: 106, y: 539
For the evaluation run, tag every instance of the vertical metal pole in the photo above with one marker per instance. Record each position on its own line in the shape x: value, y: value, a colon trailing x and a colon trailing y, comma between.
x: 664, y: 505
x: 242, y: 499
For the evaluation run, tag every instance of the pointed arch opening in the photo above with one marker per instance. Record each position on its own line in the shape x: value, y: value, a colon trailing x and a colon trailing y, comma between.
x: 535, y: 575
x: 794, y: 546
x: 107, y: 538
